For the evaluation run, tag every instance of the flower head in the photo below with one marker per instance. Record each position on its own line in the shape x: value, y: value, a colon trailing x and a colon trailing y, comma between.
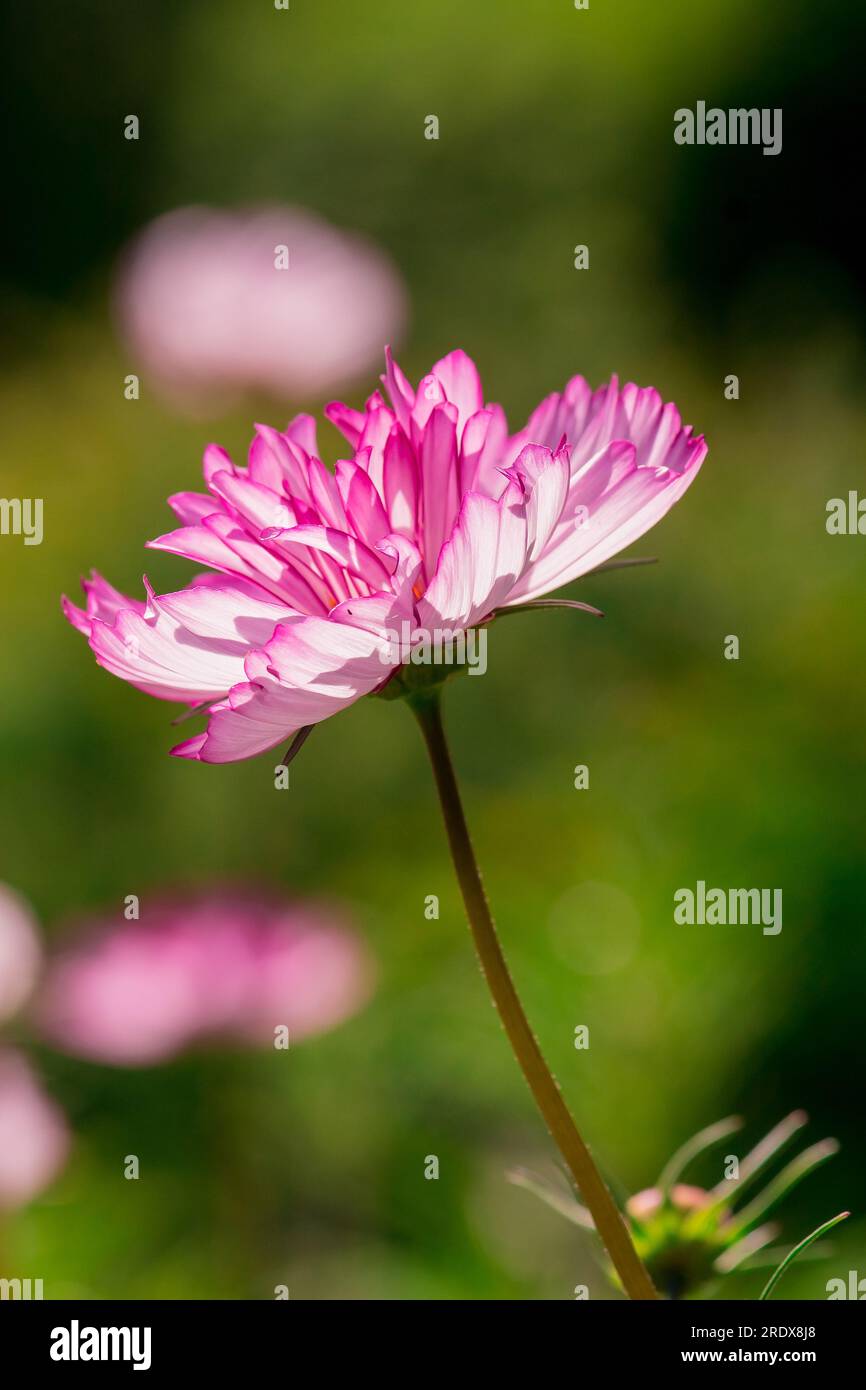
x: 439, y: 519
x: 217, y: 966
x: 689, y: 1237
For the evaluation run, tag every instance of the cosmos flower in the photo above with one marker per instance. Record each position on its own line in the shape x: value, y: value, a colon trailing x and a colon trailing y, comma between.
x: 439, y: 519
x: 20, y: 952
x: 209, y: 314
x: 234, y: 967
x: 34, y: 1135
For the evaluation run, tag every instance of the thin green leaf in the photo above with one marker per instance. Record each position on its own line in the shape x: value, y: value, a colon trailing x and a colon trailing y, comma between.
x: 792, y: 1255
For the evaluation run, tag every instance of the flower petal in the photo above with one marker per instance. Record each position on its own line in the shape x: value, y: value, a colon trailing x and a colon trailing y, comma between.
x: 629, y: 501
x: 461, y: 384
x: 398, y: 388
x: 545, y: 478
x: 439, y: 484
x: 480, y: 563
x: 190, y: 645
x: 311, y: 669
x: 348, y: 551
x: 103, y: 601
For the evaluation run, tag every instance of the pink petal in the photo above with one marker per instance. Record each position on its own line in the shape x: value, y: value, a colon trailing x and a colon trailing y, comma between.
x: 633, y: 500
x: 215, y: 460
x: 301, y: 430
x: 400, y: 391
x: 102, y: 601
x: 349, y: 422
x: 430, y: 393
x: 545, y: 477
x: 484, y: 450
x: 461, y: 383
x: 192, y: 507
x: 221, y: 543
x: 259, y: 506
x: 349, y: 553
x: 480, y: 562
x: 363, y: 505
x: 439, y: 481
x: 327, y: 498
x: 377, y: 428
x: 311, y: 669
x: 288, y: 456
x: 400, y: 483
x: 190, y: 645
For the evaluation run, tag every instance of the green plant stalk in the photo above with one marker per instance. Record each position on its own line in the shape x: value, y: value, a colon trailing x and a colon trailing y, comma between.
x: 606, y: 1215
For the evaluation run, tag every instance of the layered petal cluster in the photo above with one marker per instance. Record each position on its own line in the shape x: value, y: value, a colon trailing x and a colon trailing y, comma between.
x: 231, y: 966
x: 438, y: 517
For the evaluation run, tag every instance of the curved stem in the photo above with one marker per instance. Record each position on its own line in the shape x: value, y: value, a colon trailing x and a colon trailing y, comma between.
x: 593, y: 1189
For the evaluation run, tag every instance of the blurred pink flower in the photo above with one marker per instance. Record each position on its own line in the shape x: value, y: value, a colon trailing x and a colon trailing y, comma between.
x: 233, y: 967
x: 440, y: 519
x: 34, y: 1137
x: 208, y: 314
x: 20, y: 952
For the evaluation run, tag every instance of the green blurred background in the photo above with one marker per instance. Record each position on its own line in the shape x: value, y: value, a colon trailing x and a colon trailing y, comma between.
x: 555, y: 129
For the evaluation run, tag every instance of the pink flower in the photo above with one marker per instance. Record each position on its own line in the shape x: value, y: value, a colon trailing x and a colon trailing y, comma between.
x: 34, y: 1138
x: 208, y: 314
x: 20, y: 953
x: 439, y: 519
x: 232, y: 967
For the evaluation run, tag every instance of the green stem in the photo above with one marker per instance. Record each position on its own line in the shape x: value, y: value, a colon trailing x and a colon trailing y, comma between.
x: 593, y: 1189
